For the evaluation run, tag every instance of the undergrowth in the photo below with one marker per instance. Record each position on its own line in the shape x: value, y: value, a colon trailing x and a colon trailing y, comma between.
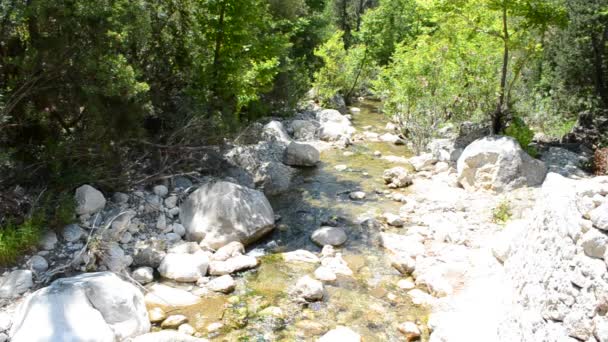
x: 502, y: 213
x: 20, y: 235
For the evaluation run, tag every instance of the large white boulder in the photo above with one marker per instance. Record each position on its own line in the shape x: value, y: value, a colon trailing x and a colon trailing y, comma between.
x: 221, y: 212
x: 89, y: 200
x: 87, y: 307
x: 334, y: 125
x: 184, y: 267
x: 498, y: 163
x: 301, y: 155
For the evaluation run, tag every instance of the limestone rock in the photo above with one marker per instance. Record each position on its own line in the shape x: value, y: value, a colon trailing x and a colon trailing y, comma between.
x: 16, y: 283
x: 357, y: 195
x: 297, y: 154
x: 228, y: 251
x: 223, y: 284
x: 275, y: 131
x: 160, y: 191
x: 168, y: 336
x: 333, y: 236
x: 89, y: 200
x: 324, y: 273
x: 163, y: 295
x: 340, y: 334
x: 173, y: 321
x: 300, y: 255
x: 220, y: 212
x: 397, y: 177
x: 72, y: 233
x: 184, y: 267
x: 309, y: 289
x: 105, y: 308
x: 157, y: 315
x: 38, y: 263
x: 232, y: 265
x: 143, y: 275
x: 599, y: 216
x: 410, y: 330
x: 304, y: 130
x: 423, y: 162
x: 393, y: 220
x: 498, y: 164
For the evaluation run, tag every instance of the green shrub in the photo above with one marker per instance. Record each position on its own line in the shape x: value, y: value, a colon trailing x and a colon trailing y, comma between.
x: 19, y: 235
x: 18, y: 239
x: 344, y: 72
x: 502, y: 213
x: 520, y: 131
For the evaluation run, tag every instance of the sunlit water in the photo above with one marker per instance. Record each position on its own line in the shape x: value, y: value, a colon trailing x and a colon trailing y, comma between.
x: 369, y: 302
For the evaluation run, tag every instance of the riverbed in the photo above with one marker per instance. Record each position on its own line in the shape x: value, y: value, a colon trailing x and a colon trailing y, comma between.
x: 368, y: 302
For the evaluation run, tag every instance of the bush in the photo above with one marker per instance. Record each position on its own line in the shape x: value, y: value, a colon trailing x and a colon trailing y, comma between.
x: 519, y: 130
x: 20, y: 232
x: 502, y: 213
x: 344, y: 72
x: 16, y: 239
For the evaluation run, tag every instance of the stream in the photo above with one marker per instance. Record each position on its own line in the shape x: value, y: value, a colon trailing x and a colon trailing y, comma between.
x: 369, y: 302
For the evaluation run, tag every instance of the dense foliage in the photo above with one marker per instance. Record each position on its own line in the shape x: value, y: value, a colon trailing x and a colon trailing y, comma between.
x: 82, y: 80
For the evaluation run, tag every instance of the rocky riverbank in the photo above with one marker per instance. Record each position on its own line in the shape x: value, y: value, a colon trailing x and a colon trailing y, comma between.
x: 324, y: 227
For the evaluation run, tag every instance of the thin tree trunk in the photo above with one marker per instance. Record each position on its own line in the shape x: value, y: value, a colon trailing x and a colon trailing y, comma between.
x: 498, y: 119
x: 600, y: 82
x: 219, y: 37
x: 344, y: 24
x: 361, y: 66
x: 360, y: 14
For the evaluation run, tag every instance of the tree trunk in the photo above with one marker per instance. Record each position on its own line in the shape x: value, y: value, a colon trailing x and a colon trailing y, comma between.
x: 598, y: 60
x: 499, y: 115
x: 360, y: 14
x: 344, y: 23
x: 216, y: 102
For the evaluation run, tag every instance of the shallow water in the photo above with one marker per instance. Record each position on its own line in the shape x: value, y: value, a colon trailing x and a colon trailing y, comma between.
x: 369, y: 302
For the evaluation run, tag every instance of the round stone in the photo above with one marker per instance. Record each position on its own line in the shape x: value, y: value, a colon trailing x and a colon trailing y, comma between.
x: 333, y: 236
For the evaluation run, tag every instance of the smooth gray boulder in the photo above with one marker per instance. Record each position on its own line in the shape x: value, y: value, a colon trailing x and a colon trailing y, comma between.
x: 301, y: 155
x: 332, y: 236
x: 89, y: 200
x: 498, y: 164
x: 88, y: 307
x: 304, y: 130
x: 221, y: 212
x: 16, y: 283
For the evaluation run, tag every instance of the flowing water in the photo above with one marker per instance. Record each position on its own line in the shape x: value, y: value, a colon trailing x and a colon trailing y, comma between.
x: 369, y: 302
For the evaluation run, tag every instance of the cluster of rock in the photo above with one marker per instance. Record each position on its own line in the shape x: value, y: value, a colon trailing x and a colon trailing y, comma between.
x: 267, y: 154
x: 557, y: 265
x: 200, y: 240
